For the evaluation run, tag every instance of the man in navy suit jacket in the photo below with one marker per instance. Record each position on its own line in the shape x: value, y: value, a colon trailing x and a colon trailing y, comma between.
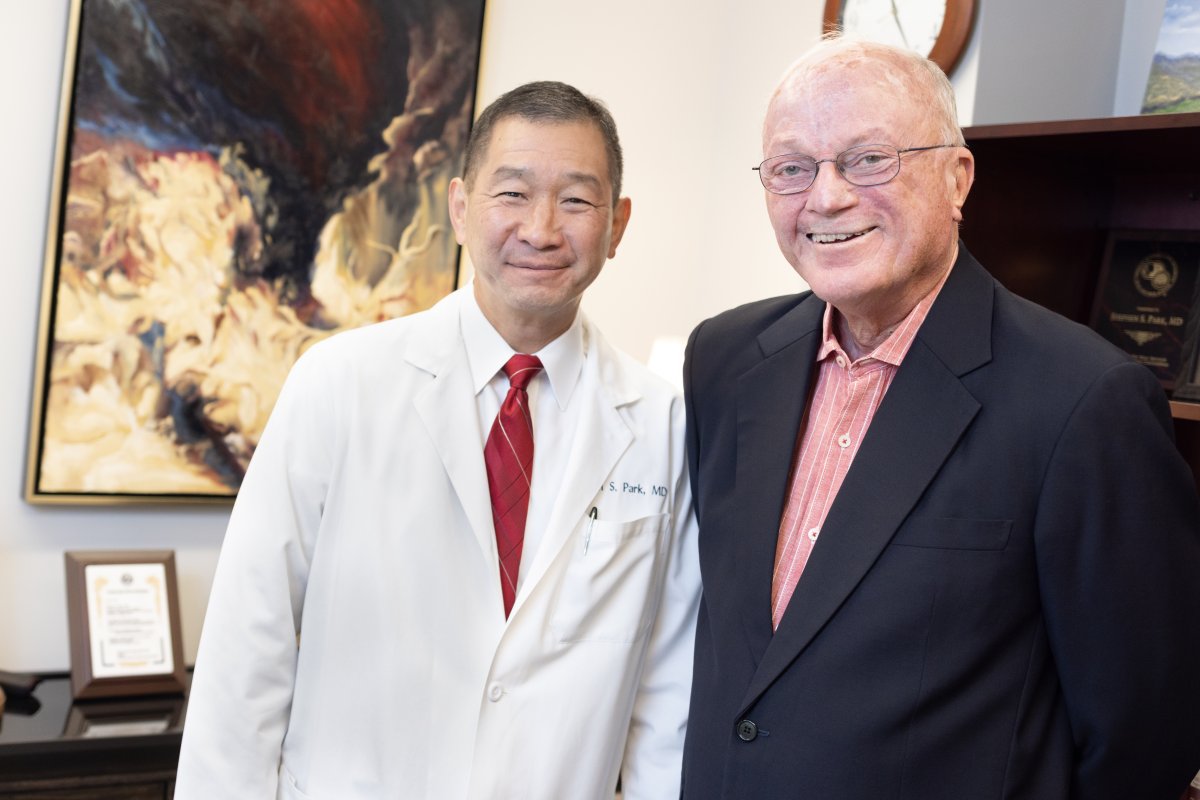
x: 949, y: 550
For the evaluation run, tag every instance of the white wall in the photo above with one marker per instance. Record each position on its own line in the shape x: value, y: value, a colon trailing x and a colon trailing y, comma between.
x: 1143, y: 18
x: 1048, y: 59
x: 687, y: 83
x: 688, y: 88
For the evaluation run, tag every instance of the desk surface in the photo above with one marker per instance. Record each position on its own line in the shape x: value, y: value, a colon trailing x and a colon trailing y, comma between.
x: 55, y: 736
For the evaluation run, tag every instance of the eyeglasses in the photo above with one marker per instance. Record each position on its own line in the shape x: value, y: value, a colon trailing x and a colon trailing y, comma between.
x: 864, y: 165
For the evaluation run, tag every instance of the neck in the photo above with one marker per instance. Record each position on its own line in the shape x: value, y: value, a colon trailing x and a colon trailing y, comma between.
x: 860, y: 330
x: 859, y: 336
x: 529, y: 333
x: 530, y: 341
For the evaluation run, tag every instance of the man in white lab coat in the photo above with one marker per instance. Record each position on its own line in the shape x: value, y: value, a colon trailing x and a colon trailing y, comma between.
x: 357, y: 643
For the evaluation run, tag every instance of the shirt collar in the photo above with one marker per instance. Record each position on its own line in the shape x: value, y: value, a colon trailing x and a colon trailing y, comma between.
x: 892, y: 349
x: 487, y: 352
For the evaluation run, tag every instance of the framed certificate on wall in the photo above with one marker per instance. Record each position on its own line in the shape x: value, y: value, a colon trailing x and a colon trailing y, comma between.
x: 123, y: 611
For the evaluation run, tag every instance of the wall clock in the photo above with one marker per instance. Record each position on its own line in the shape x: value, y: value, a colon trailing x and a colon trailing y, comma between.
x: 938, y: 29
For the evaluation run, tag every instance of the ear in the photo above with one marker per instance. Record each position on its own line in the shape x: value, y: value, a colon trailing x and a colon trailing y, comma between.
x: 458, y: 209
x: 964, y: 177
x: 620, y: 220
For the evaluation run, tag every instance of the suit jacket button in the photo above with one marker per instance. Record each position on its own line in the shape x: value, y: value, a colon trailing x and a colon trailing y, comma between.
x: 747, y: 731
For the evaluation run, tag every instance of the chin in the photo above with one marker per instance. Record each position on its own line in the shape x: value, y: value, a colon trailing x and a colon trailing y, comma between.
x: 839, y: 293
x: 541, y: 299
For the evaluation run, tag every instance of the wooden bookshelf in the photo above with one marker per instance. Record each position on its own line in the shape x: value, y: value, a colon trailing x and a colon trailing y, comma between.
x: 1046, y: 196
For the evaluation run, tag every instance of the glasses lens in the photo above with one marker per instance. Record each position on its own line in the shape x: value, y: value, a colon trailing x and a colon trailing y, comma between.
x: 787, y: 174
x: 869, y: 164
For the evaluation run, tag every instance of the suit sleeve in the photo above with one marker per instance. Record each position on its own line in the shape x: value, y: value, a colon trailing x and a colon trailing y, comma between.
x: 241, y: 691
x: 654, y: 749
x: 1118, y: 549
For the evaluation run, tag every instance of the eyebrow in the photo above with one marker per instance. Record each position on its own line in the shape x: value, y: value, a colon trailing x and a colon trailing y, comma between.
x: 585, y: 177
x: 870, y: 136
x: 519, y: 173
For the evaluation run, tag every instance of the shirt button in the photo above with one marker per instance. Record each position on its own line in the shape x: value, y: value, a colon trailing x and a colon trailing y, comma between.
x: 495, y: 692
x: 844, y: 441
x: 814, y: 533
x: 747, y: 731
x: 841, y: 362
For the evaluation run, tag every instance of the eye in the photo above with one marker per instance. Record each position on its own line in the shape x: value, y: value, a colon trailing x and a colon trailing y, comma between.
x: 791, y: 168
x: 866, y: 161
x: 512, y: 195
x: 578, y: 201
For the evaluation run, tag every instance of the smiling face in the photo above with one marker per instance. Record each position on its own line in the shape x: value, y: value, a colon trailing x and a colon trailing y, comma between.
x: 539, y: 222
x: 871, y: 251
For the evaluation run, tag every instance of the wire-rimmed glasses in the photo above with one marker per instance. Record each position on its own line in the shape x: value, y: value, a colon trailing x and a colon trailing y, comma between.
x: 862, y: 165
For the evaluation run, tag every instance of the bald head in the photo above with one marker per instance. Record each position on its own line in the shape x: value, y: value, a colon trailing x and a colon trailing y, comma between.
x: 905, y: 75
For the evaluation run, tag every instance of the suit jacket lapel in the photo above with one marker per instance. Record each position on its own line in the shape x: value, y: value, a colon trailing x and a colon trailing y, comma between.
x: 920, y: 421
x: 771, y: 398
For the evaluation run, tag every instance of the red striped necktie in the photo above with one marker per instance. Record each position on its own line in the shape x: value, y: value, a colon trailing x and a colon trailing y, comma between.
x: 508, y: 455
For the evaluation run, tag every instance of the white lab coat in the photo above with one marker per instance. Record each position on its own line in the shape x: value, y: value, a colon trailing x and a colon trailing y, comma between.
x: 355, y: 644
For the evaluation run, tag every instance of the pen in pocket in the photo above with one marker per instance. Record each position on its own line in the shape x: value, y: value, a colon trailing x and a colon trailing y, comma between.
x: 587, y: 539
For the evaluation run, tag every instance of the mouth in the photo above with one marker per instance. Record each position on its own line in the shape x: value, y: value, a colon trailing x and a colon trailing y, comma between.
x: 535, y: 266
x: 836, y: 238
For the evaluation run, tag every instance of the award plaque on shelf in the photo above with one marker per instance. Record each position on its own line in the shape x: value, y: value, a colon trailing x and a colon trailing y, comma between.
x: 123, y: 610
x: 1146, y: 300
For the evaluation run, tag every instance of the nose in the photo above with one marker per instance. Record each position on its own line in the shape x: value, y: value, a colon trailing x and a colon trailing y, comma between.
x: 541, y: 228
x: 830, y: 191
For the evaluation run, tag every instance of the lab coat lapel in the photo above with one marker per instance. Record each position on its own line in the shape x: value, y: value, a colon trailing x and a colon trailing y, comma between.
x: 448, y: 411
x: 601, y: 439
x: 923, y: 416
x: 770, y: 403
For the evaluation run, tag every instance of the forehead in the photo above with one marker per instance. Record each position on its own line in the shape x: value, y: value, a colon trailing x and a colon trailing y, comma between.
x: 533, y: 146
x: 846, y: 100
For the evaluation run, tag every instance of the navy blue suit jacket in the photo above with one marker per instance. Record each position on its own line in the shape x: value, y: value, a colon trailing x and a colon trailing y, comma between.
x: 1005, y: 598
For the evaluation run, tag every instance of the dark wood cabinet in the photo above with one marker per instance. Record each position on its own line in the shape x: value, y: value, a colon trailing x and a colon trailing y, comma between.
x: 1047, y: 195
x: 54, y: 749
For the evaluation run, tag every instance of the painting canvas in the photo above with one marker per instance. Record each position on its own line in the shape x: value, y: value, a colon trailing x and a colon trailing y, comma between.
x: 1174, y: 84
x: 235, y: 181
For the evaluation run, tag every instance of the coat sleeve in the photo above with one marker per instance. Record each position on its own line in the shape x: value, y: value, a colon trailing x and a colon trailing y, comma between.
x: 1118, y: 549
x: 654, y: 749
x: 241, y: 690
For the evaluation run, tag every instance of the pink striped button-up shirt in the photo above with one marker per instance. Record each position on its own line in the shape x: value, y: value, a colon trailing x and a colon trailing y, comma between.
x: 844, y: 401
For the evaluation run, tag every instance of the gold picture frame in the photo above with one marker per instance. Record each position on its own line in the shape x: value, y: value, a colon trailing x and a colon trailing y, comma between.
x: 208, y: 223
x: 123, y: 617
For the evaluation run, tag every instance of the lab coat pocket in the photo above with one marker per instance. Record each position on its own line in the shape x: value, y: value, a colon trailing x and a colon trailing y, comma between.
x: 609, y: 585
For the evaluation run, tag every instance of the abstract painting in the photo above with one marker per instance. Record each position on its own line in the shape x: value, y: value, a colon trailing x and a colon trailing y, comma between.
x: 236, y: 180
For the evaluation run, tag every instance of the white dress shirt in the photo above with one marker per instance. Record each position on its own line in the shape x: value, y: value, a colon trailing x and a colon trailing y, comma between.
x: 555, y: 417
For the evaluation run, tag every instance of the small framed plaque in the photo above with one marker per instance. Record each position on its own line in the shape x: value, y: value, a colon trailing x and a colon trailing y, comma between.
x: 1146, y: 301
x: 123, y: 610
